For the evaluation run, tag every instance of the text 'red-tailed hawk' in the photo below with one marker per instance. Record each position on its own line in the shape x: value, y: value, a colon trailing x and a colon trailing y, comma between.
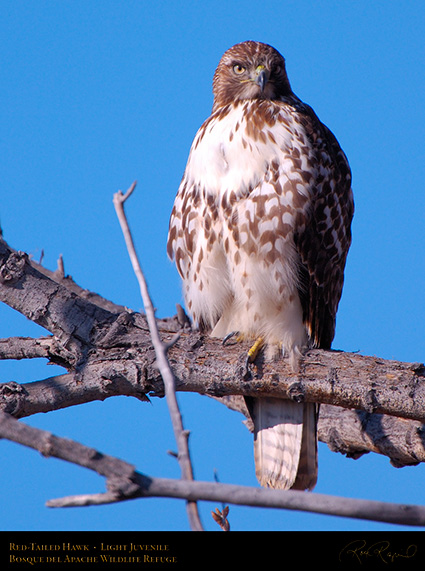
x: 260, y: 232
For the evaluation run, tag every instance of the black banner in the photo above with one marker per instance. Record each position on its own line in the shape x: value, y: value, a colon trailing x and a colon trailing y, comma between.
x: 52, y: 551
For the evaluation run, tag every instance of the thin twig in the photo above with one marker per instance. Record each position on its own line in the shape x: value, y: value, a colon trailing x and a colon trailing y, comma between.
x: 167, y: 374
x: 220, y: 517
x: 60, y: 271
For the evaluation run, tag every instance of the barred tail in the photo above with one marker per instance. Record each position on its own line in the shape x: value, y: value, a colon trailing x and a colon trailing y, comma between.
x: 285, y: 443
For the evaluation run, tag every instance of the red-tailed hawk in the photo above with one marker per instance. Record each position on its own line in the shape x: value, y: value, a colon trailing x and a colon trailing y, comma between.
x: 260, y: 232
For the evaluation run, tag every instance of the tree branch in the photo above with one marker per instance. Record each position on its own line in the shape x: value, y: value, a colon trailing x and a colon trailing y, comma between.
x: 181, y: 435
x: 126, y: 365
x: 201, y: 364
x: 46, y: 302
x: 125, y: 483
x: 401, y: 514
x: 354, y: 433
x: 26, y: 348
x: 108, y: 351
x: 59, y: 276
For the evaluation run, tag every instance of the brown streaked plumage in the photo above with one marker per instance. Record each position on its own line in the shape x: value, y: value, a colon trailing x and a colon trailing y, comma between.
x: 260, y: 231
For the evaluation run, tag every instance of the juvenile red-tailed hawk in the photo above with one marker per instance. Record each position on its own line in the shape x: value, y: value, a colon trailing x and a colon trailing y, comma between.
x: 260, y: 232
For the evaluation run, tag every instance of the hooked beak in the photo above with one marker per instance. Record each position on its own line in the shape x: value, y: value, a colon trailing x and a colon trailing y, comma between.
x: 262, y: 77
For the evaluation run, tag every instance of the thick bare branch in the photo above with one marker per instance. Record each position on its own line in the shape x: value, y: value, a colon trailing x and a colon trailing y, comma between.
x: 45, y: 301
x: 59, y: 276
x: 126, y: 364
x: 348, y: 380
x: 201, y: 364
x: 347, y: 431
x: 355, y: 432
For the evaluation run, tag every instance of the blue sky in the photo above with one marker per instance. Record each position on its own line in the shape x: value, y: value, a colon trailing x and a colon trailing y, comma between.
x: 98, y: 93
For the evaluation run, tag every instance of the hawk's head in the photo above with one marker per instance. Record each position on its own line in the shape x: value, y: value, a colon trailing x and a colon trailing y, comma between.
x: 250, y: 70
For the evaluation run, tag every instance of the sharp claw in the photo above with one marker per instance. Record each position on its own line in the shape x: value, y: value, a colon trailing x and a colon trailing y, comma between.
x: 229, y: 336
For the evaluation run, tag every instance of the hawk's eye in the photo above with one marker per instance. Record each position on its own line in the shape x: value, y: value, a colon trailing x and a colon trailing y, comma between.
x: 238, y: 68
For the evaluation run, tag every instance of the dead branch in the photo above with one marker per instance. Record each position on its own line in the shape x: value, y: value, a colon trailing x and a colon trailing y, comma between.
x: 89, y: 335
x: 26, y: 348
x: 349, y: 432
x: 125, y: 483
x: 181, y: 435
x: 354, y: 432
x: 110, y: 353
x: 46, y: 302
x: 368, y: 404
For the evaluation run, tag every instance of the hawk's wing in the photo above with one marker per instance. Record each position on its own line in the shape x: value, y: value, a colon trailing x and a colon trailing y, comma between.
x: 324, y: 242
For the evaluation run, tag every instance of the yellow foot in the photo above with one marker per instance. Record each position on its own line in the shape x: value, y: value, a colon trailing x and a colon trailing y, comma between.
x: 255, y: 349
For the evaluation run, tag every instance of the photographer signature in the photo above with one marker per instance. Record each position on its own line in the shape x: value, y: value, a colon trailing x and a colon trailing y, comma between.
x: 360, y: 551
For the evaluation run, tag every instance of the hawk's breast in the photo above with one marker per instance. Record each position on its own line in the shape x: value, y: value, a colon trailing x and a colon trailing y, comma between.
x: 233, y: 148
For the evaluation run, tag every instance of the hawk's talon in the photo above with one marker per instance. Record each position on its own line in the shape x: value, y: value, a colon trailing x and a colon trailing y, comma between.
x: 229, y: 336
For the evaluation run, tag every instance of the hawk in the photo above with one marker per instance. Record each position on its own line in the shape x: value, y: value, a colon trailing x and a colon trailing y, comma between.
x: 260, y: 232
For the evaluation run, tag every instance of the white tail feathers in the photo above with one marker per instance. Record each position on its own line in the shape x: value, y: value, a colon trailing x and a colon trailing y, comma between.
x: 285, y: 443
